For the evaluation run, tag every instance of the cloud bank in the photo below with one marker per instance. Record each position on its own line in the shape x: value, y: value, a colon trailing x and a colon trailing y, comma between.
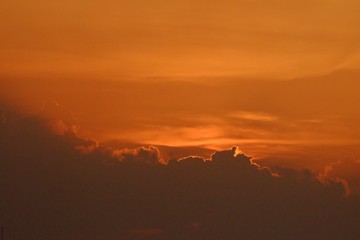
x: 57, y: 185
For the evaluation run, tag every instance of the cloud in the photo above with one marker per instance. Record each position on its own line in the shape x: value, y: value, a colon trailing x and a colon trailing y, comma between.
x: 141, y: 154
x: 253, y: 116
x: 62, y: 186
x: 346, y: 171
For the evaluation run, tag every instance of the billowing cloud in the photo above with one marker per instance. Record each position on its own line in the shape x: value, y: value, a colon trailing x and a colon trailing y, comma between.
x: 53, y: 189
x: 346, y: 170
x: 141, y: 154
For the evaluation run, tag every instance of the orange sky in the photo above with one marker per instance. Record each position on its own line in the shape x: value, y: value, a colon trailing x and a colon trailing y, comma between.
x: 280, y: 78
x: 111, y: 39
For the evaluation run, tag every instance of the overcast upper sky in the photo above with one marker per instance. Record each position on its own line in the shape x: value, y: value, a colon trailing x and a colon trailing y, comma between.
x: 271, y: 38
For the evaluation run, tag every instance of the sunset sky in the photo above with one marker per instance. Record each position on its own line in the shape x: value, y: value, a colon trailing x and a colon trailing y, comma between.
x: 279, y: 79
x: 116, y: 39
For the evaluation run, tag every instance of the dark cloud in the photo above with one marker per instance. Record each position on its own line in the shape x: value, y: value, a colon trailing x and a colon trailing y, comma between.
x: 346, y: 170
x: 57, y: 185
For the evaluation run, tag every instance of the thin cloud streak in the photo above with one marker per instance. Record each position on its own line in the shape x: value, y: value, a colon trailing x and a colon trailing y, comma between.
x: 253, y: 116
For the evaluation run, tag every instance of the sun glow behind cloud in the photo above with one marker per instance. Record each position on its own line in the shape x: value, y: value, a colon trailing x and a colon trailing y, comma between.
x: 82, y: 182
x: 264, y: 117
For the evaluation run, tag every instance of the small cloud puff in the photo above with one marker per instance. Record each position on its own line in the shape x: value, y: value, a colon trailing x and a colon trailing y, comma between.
x: 140, y: 155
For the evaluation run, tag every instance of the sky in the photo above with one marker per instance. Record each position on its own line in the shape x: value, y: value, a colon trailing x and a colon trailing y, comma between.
x: 273, y: 38
x: 169, y: 108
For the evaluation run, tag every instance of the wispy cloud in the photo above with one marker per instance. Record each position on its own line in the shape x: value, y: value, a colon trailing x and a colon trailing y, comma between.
x: 253, y: 116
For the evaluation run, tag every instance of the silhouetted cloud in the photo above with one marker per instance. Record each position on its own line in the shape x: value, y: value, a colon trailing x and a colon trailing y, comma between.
x: 57, y: 185
x: 347, y: 171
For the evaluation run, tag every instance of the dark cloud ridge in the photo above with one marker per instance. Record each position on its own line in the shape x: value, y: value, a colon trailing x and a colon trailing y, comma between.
x: 61, y: 186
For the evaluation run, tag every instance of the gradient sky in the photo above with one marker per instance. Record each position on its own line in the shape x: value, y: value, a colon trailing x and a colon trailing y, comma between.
x: 274, y: 38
